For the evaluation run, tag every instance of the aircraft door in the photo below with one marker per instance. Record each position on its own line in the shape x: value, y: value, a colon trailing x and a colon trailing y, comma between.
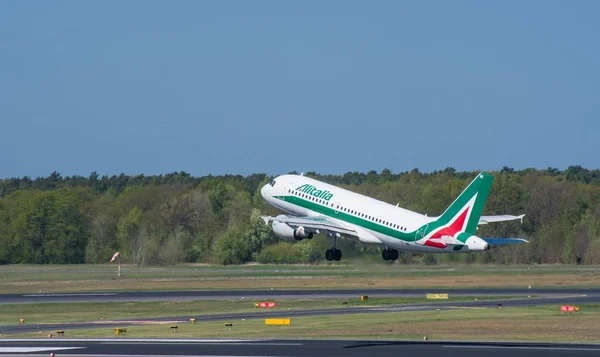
x: 287, y: 185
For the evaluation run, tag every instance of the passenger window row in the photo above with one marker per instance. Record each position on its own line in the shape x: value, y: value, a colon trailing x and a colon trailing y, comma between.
x: 310, y: 197
x: 347, y: 210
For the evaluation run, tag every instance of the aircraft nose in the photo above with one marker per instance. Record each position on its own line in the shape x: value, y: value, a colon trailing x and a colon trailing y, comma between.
x: 264, y: 191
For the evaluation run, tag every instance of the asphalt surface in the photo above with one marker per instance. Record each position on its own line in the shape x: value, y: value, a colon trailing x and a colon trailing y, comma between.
x: 539, y: 297
x: 292, y: 348
x: 268, y: 294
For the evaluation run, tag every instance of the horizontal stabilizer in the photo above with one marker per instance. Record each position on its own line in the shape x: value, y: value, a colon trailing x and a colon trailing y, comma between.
x: 504, y: 241
x: 501, y: 218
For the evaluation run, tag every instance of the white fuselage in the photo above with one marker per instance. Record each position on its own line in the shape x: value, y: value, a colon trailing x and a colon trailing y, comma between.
x: 346, y: 207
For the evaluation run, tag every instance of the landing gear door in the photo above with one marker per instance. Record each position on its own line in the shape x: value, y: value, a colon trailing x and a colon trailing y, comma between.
x: 421, y: 232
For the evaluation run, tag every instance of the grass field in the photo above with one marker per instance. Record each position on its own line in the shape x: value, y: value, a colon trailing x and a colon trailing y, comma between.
x: 84, y: 312
x: 544, y: 323
x: 79, y: 278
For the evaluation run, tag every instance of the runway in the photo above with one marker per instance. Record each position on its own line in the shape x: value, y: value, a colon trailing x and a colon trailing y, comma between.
x: 270, y: 294
x: 539, y: 297
x: 291, y: 348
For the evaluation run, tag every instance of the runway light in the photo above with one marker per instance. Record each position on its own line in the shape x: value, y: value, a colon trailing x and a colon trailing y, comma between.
x: 52, y: 354
x: 424, y: 338
x: 49, y: 335
x: 21, y: 321
x: 192, y: 320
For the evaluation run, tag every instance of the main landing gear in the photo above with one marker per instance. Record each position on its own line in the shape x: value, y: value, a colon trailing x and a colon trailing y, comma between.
x: 390, y: 254
x: 333, y: 253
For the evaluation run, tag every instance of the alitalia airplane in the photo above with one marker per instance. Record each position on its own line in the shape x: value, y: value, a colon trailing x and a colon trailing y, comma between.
x: 315, y: 207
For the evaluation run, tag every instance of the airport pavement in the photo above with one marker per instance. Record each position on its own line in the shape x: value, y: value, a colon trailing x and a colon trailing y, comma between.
x: 192, y: 295
x: 291, y: 348
x: 562, y: 298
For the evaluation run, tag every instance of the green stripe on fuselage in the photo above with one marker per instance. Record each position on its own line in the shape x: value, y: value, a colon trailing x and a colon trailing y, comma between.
x: 342, y: 216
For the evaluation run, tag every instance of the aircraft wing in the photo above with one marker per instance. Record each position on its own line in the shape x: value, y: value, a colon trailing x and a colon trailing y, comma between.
x: 313, y: 224
x: 502, y: 218
x: 504, y: 241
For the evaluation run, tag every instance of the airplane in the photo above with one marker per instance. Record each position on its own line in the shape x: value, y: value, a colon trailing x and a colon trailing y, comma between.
x: 315, y: 207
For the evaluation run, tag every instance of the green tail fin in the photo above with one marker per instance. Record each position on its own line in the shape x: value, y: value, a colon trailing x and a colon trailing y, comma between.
x: 473, y: 196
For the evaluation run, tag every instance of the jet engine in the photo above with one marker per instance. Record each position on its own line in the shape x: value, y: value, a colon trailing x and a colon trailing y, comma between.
x: 477, y: 244
x: 284, y: 231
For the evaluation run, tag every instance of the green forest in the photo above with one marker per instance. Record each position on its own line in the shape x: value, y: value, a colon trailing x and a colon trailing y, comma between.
x: 173, y: 218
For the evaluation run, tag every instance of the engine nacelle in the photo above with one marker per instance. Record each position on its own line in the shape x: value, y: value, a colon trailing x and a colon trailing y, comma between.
x: 477, y: 244
x: 284, y: 231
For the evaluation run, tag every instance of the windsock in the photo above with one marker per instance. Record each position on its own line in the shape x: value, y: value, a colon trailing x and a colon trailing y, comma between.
x: 115, y: 256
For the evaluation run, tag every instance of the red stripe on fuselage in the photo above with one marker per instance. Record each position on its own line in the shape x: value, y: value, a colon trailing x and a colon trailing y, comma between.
x: 431, y: 243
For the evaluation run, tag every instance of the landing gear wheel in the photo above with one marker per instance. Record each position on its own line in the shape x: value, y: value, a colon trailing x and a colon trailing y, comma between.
x: 333, y: 254
x: 390, y: 254
x: 385, y: 254
x: 310, y: 236
x: 337, y: 255
x: 329, y: 254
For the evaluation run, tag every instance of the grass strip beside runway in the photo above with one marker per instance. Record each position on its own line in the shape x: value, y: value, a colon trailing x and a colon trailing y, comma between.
x: 82, y: 278
x: 539, y: 323
x: 84, y: 312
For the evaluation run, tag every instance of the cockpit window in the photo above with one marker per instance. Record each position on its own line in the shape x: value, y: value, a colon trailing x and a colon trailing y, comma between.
x: 272, y: 183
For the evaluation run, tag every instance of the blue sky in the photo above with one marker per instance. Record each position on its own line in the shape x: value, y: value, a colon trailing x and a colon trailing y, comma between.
x: 214, y: 87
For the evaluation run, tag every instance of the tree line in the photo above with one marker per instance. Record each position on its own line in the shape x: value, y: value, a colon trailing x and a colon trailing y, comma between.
x: 167, y: 219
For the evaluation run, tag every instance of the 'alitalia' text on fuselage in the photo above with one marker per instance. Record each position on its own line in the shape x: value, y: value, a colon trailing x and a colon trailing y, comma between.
x: 313, y: 191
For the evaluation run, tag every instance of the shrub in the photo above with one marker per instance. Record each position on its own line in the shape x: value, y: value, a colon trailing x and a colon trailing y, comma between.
x: 233, y: 248
x: 280, y: 253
